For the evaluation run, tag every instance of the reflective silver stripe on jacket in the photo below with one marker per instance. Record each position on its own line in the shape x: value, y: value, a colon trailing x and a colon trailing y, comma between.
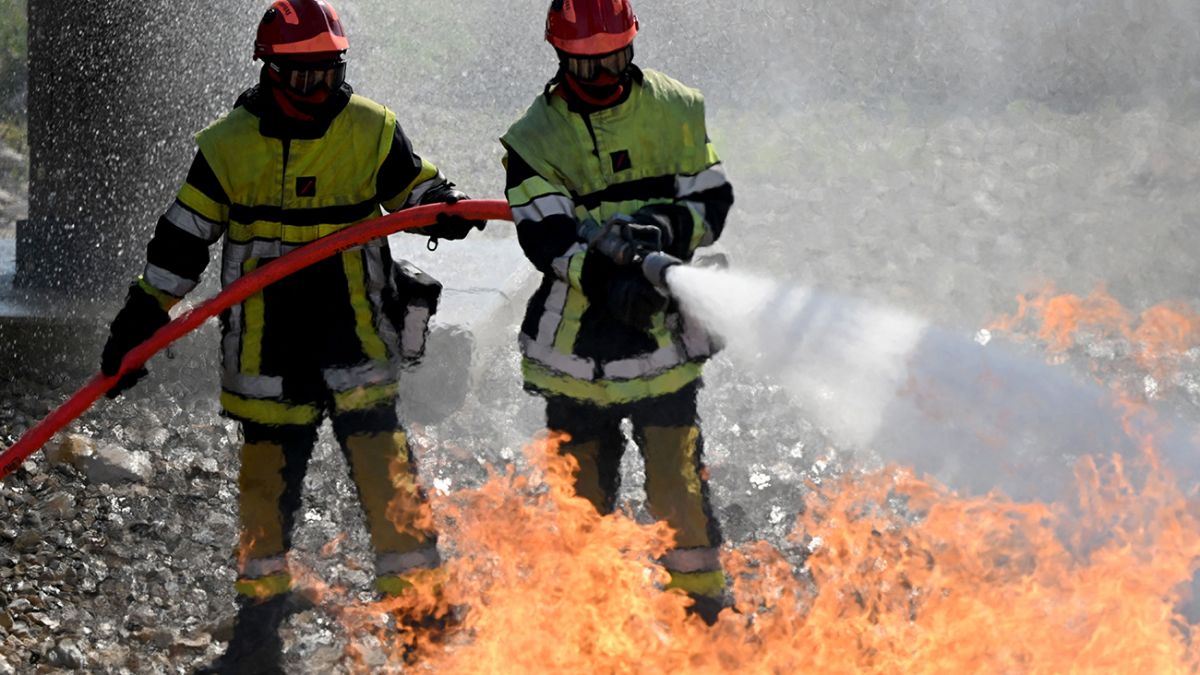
x: 562, y: 264
x: 235, y: 255
x: 696, y: 340
x: 250, y: 386
x: 424, y: 186
x: 194, y: 224
x: 399, y: 563
x: 712, y: 177
x: 167, y: 281
x: 686, y: 560
x: 362, y: 375
x: 657, y: 361
x: 567, y: 364
x: 552, y: 312
x: 257, y: 568
x: 543, y: 207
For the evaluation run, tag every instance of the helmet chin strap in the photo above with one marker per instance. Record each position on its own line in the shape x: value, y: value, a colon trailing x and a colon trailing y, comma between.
x: 304, y: 108
x: 602, y: 91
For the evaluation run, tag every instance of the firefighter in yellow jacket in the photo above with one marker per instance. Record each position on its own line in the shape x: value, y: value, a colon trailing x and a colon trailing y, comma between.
x: 298, y: 158
x: 610, y: 152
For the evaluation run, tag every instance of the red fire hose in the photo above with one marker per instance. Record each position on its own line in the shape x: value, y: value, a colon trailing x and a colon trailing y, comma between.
x: 80, y: 401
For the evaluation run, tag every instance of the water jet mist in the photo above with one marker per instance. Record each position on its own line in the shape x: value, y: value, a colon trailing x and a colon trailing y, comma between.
x: 975, y: 413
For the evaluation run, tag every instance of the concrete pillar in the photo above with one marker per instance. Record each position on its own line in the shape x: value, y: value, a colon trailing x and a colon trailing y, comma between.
x: 116, y: 89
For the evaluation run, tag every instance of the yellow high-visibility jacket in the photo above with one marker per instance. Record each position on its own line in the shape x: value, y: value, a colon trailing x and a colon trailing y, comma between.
x: 566, y: 166
x: 266, y: 190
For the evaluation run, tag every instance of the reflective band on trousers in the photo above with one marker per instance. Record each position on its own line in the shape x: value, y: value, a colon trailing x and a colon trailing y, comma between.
x: 264, y: 587
x: 399, y: 563
x: 692, y: 560
x: 256, y: 568
x: 709, y: 584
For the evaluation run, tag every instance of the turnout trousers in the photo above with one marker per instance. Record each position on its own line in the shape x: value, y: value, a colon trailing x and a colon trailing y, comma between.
x: 667, y: 433
x: 310, y: 346
x: 274, y: 461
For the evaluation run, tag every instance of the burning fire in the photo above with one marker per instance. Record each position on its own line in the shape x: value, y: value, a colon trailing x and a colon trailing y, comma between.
x: 898, y: 574
x: 1160, y: 335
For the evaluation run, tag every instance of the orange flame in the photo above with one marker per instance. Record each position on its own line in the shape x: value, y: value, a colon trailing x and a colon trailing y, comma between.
x: 903, y: 576
x: 1160, y: 335
x: 411, y: 514
x: 889, y: 573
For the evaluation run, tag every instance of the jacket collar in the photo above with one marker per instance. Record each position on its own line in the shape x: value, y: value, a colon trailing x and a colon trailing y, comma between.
x: 273, y: 123
x: 557, y: 87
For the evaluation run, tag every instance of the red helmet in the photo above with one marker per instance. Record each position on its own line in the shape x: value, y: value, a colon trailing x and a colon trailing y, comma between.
x: 590, y: 27
x: 299, y: 27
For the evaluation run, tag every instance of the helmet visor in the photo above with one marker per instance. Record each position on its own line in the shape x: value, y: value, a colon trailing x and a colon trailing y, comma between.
x: 588, y: 68
x: 305, y: 78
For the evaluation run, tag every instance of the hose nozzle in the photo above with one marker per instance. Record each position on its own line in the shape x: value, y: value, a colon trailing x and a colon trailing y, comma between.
x: 655, y: 266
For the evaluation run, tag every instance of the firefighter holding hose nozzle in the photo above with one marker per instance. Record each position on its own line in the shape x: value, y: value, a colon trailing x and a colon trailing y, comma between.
x: 298, y: 158
x: 609, y: 171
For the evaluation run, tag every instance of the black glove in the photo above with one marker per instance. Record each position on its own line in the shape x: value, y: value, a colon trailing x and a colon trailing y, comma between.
x: 138, y: 320
x: 622, y: 240
x: 633, y: 299
x: 647, y: 238
x: 673, y: 221
x: 448, y: 226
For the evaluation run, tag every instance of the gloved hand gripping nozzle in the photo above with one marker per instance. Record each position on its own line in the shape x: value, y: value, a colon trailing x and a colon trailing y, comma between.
x: 610, y: 239
x: 655, y: 266
x: 627, y: 243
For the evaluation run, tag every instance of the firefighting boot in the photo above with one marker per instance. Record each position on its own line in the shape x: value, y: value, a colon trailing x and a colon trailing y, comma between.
x: 255, y: 648
x: 706, y: 590
x: 707, y: 607
x: 416, y: 628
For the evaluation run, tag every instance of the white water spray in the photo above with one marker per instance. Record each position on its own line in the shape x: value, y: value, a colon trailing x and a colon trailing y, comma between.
x: 976, y: 416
